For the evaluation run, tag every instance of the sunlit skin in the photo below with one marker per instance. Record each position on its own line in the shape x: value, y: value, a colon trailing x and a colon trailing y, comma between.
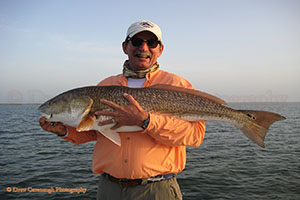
x: 133, y: 113
x: 55, y: 127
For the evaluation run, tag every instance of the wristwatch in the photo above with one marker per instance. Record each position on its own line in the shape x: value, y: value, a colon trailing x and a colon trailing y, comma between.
x: 145, y: 123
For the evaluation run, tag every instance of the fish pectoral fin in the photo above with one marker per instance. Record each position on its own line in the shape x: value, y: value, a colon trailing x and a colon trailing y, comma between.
x: 86, y: 123
x: 88, y: 119
x: 89, y: 106
x: 112, y: 135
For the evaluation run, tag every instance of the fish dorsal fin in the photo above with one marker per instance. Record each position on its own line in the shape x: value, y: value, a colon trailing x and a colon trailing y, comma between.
x: 189, y: 91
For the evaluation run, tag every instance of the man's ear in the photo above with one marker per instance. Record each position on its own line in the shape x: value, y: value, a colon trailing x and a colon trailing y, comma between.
x: 124, y: 46
x: 161, y: 50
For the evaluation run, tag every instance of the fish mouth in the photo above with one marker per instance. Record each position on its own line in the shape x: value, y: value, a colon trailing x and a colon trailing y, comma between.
x: 47, y: 116
x: 44, y: 112
x: 142, y: 54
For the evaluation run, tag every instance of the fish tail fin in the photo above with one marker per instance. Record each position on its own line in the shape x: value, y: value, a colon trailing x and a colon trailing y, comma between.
x: 258, y: 124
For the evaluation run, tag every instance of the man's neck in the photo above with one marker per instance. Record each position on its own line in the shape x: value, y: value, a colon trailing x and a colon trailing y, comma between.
x: 128, y: 72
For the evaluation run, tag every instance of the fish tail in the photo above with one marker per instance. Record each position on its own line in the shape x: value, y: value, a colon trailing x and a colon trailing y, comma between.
x: 258, y: 124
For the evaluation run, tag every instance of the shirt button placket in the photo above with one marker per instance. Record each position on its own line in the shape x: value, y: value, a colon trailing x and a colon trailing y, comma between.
x: 126, y: 152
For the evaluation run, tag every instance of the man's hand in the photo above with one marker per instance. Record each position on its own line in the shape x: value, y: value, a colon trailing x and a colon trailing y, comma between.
x: 55, y: 127
x: 130, y: 115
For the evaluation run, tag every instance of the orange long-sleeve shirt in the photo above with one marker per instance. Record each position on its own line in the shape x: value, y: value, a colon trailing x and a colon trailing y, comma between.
x: 160, y: 149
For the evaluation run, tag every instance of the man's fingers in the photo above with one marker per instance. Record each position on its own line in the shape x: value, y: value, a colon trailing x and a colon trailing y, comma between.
x: 116, y: 126
x: 130, y: 98
x: 44, y: 124
x: 110, y: 121
x: 132, y: 101
x: 130, y: 114
x: 42, y: 120
x: 54, y: 127
x: 110, y: 103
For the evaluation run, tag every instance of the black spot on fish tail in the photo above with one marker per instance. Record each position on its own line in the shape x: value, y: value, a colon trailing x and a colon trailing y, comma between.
x: 251, y: 116
x: 259, y: 124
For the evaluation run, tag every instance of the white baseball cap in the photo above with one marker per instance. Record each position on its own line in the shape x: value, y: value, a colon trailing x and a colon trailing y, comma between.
x: 144, y: 25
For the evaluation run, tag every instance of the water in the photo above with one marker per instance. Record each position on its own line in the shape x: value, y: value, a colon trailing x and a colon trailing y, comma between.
x: 226, y: 166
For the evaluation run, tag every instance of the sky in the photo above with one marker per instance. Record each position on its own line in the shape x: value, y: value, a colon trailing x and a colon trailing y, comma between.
x: 238, y: 50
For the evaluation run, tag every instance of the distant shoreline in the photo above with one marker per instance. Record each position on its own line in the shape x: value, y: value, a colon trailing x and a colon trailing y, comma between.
x: 18, y: 104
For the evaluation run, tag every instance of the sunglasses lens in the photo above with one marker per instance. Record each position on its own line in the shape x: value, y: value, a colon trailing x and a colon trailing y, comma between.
x: 136, y: 42
x: 152, y: 43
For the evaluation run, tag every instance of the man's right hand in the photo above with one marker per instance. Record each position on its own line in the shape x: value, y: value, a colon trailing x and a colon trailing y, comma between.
x: 55, y: 127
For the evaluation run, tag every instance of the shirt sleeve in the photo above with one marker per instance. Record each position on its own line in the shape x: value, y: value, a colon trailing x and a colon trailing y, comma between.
x: 172, y: 131
x: 79, y: 137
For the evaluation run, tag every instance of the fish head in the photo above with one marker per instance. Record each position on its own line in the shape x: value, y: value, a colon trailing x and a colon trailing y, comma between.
x: 66, y: 108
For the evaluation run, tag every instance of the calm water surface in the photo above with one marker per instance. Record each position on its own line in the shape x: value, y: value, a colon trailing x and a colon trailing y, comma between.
x: 226, y: 166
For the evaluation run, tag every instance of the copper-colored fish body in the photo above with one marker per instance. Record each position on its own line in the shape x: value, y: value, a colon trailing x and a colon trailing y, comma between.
x: 73, y: 106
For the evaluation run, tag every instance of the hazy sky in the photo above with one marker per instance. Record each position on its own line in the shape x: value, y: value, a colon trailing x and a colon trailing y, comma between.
x: 239, y: 50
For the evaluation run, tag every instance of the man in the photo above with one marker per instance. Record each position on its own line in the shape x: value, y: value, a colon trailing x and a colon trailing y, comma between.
x: 146, y: 164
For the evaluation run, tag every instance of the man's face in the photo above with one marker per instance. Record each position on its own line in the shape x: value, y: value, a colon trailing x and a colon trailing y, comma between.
x: 138, y: 59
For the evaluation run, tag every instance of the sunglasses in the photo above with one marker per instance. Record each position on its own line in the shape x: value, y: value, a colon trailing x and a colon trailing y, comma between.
x: 137, y: 42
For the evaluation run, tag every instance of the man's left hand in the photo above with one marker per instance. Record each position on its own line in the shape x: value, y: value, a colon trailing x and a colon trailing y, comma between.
x: 130, y: 115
